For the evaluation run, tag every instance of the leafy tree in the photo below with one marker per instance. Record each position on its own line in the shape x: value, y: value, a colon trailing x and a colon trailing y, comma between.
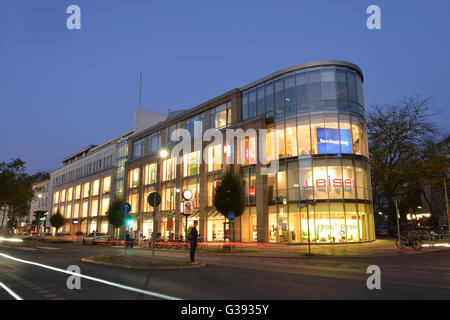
x: 229, y: 194
x: 57, y: 220
x: 115, y: 215
x: 15, y: 188
x: 398, y: 136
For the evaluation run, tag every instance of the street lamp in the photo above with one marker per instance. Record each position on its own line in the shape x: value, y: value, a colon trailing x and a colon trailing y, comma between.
x: 163, y: 153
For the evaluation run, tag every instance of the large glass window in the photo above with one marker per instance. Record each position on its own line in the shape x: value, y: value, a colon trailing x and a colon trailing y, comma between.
x: 193, y: 122
x: 269, y: 99
x: 138, y: 148
x: 86, y: 190
x: 314, y: 86
x: 220, y: 117
x: 169, y: 169
x: 150, y: 173
x: 191, y: 163
x: 260, y: 109
x: 106, y: 185
x: 154, y: 142
x: 133, y: 178
x: 95, y: 187
x: 215, y: 156
x: 301, y: 88
x: 329, y: 84
x: 291, y: 138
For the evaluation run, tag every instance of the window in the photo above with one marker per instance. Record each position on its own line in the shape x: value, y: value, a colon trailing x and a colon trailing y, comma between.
x: 260, y: 109
x: 220, y: 117
x: 301, y: 88
x: 105, y: 206
x: 247, y: 150
x: 245, y: 106
x: 314, y: 86
x: 85, y: 209
x: 169, y: 169
x: 138, y: 145
x: 150, y: 173
x: 106, y: 184
x: 269, y: 99
x: 252, y: 103
x: 95, y: 187
x: 70, y: 194
x: 76, y: 210
x: 329, y: 84
x: 77, y: 192
x: 154, y: 142
x: 215, y: 157
x: 191, y: 164
x: 341, y: 85
x: 86, y: 190
x: 133, y: 178
x: 63, y: 196
x: 291, y: 138
x: 195, y: 121
x: 213, y: 180
x: 94, y: 208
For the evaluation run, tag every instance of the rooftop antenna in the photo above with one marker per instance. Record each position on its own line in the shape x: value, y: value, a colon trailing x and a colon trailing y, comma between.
x: 140, y: 89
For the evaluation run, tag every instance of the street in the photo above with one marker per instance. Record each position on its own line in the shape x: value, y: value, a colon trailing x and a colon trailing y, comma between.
x: 416, y: 276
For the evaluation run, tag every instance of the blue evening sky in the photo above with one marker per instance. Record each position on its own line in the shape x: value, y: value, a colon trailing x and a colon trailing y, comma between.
x: 61, y: 89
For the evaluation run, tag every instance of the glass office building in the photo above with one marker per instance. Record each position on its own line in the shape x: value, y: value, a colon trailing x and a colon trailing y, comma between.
x: 322, y: 147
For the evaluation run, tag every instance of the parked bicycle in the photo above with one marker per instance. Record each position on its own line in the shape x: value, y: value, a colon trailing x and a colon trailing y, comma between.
x: 409, y: 241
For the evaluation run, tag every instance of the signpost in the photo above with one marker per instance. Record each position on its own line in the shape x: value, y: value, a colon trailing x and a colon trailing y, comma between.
x: 126, y: 209
x: 154, y: 200
x: 186, y: 209
x: 303, y: 205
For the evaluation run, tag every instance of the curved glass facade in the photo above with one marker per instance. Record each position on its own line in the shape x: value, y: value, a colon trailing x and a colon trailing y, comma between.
x: 322, y: 143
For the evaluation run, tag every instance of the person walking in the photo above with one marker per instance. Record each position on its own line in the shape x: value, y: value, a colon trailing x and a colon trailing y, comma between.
x: 193, y: 237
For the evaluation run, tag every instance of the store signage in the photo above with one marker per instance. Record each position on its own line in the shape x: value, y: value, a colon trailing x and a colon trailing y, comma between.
x: 328, y: 140
x: 337, y: 182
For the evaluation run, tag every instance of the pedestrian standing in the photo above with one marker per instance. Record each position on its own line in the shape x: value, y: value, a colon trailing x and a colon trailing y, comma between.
x: 193, y: 237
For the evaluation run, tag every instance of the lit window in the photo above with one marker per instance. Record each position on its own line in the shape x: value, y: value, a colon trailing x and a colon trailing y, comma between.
x: 150, y: 173
x: 134, y: 178
x: 191, y: 163
x: 95, y: 187
x: 106, y: 184
x: 169, y: 169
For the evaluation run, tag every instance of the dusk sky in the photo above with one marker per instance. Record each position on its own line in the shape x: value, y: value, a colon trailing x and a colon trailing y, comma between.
x: 61, y: 90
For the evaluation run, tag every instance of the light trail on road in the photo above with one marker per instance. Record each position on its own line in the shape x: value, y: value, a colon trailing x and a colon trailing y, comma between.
x: 113, y: 284
x: 11, y: 293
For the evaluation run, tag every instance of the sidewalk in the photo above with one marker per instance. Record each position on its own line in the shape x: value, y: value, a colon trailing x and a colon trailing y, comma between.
x: 382, y: 247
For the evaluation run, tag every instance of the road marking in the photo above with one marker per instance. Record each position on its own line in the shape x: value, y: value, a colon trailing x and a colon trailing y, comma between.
x: 26, y: 248
x: 49, y: 248
x: 12, y: 293
x: 113, y: 284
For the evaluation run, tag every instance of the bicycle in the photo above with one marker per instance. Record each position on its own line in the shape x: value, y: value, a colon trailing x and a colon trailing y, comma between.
x: 409, y: 241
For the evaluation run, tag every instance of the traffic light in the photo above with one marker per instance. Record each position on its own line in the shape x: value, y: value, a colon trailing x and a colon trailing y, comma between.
x: 129, y: 222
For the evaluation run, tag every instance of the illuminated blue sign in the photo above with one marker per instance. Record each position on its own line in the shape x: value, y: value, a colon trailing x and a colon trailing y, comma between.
x: 328, y: 140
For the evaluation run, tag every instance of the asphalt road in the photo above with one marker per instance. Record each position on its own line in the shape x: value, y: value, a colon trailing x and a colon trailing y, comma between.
x: 423, y: 276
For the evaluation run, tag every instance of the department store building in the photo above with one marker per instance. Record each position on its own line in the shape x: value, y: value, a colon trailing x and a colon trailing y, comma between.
x: 313, y: 114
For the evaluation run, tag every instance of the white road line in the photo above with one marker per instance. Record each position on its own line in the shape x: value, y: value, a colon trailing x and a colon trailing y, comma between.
x: 49, y: 248
x: 12, y: 293
x: 113, y: 284
x: 26, y: 248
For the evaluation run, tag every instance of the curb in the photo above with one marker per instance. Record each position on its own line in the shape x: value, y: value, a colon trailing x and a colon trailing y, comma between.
x: 328, y: 256
x: 117, y: 265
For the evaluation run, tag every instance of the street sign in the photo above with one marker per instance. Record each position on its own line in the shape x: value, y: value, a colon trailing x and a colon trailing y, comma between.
x: 187, y: 207
x: 154, y: 199
x: 126, y: 208
x: 231, y: 216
